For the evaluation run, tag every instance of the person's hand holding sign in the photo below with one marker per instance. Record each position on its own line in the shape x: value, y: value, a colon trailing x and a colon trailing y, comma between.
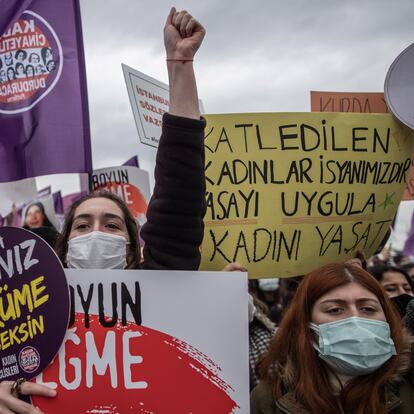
x: 183, y: 36
x: 10, y: 404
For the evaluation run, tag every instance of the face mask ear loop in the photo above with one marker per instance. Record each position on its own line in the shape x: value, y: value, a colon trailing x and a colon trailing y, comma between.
x: 315, y: 333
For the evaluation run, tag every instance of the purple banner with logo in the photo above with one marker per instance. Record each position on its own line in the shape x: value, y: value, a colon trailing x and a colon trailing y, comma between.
x: 44, y: 121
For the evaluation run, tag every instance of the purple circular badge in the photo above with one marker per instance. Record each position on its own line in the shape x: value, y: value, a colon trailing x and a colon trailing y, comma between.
x: 34, y: 304
x: 31, y: 61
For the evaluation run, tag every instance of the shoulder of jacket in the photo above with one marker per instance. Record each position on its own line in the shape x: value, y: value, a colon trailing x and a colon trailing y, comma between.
x: 261, y: 399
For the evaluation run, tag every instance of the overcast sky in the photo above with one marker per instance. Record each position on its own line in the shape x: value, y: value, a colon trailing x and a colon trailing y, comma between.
x: 256, y: 57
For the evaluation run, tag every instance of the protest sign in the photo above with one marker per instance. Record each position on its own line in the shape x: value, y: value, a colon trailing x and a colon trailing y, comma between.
x: 129, y: 183
x: 287, y: 193
x: 17, y: 192
x: 399, y: 87
x: 154, y: 342
x: 34, y: 304
x: 366, y: 102
x: 409, y: 185
x: 149, y: 101
x: 44, y: 124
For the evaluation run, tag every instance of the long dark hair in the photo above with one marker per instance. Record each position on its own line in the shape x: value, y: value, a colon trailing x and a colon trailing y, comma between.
x: 43, y: 53
x: 134, y: 254
x: 379, y: 270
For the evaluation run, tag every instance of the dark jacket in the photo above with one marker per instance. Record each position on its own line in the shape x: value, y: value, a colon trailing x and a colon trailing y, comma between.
x: 400, y: 400
x: 174, y: 228
x: 399, y: 394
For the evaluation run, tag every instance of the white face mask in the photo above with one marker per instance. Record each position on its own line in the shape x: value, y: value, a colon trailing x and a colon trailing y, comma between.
x: 97, y: 250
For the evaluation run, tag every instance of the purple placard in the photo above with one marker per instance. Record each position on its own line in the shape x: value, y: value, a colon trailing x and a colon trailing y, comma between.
x: 34, y: 304
x: 44, y: 122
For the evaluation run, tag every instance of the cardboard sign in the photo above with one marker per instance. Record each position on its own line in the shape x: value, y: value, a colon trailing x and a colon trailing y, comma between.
x: 365, y: 102
x: 287, y: 193
x: 149, y: 100
x: 399, y: 87
x: 17, y: 193
x: 129, y: 183
x: 369, y: 102
x: 409, y: 185
x: 152, y: 342
x: 34, y: 304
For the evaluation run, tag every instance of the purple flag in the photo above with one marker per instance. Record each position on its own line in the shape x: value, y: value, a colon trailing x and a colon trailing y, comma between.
x: 17, y: 217
x: 44, y: 123
x: 58, y: 202
x: 69, y: 199
x: 11, y: 11
x: 132, y: 162
x: 409, y: 243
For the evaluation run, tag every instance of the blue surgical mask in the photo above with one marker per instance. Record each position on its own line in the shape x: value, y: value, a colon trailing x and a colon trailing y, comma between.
x: 354, y: 346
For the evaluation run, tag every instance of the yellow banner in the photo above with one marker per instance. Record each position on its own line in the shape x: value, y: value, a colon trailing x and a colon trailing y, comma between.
x: 288, y: 192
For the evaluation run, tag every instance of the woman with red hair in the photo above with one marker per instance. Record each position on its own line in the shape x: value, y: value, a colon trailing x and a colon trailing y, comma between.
x: 339, y: 349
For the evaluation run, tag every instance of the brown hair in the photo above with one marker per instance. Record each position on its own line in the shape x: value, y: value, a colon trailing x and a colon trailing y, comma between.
x: 134, y: 255
x: 292, y: 363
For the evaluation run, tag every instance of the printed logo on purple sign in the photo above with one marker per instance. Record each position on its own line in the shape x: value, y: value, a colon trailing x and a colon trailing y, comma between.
x: 29, y: 359
x: 34, y: 304
x: 31, y: 62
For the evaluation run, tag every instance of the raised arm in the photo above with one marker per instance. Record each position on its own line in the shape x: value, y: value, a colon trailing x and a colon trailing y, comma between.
x: 182, y: 37
x: 174, y: 229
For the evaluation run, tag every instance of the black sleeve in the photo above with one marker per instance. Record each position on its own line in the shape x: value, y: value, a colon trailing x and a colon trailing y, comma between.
x: 174, y: 228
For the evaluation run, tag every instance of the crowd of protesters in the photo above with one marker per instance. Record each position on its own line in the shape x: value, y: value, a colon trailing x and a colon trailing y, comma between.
x: 336, y: 340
